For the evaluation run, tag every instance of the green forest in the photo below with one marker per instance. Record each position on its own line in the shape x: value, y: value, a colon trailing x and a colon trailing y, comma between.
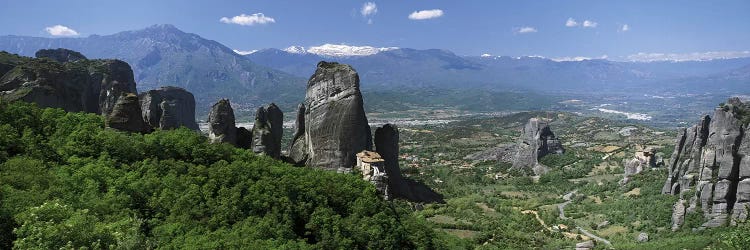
x: 66, y: 182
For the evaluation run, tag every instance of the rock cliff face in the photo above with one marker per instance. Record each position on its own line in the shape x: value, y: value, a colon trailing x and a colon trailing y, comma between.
x: 644, y: 158
x: 267, y: 131
x: 168, y: 108
x: 386, y: 144
x: 536, y: 141
x: 113, y: 78
x: 335, y: 125
x: 221, y: 125
x: 73, y: 85
x: 126, y: 115
x: 60, y: 55
x: 710, y: 169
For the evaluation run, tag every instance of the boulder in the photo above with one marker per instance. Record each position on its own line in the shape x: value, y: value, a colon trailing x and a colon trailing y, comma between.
x: 168, y: 108
x: 126, y: 115
x: 221, y: 124
x: 586, y: 245
x: 267, y: 131
x: 60, y: 55
x: 536, y: 141
x: 335, y: 125
x: 642, y: 237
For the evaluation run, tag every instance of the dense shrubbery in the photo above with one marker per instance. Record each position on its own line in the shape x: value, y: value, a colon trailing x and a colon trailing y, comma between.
x: 65, y: 181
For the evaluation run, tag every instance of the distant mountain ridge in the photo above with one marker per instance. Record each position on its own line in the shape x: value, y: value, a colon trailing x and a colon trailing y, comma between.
x: 163, y: 55
x: 400, y: 67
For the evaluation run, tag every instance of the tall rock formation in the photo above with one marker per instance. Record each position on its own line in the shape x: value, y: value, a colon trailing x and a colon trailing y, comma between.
x: 221, y: 124
x: 66, y: 81
x: 168, y: 108
x: 335, y: 125
x: 710, y: 169
x: 113, y: 78
x: 386, y: 145
x: 126, y: 115
x: 536, y: 141
x: 267, y: 131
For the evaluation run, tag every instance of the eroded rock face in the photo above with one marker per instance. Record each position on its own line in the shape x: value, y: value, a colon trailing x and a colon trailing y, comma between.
x: 168, y: 108
x: 335, y: 125
x: 709, y: 159
x: 267, y: 131
x: 114, y: 77
x: 536, y: 141
x: 126, y: 115
x: 74, y: 85
x: 221, y: 123
x: 386, y: 145
x: 644, y: 158
x: 60, y: 55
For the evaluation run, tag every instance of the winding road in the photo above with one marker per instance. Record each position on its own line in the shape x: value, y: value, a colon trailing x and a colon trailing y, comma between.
x: 561, y: 208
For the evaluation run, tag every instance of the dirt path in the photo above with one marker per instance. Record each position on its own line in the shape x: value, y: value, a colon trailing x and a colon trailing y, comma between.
x: 561, y: 208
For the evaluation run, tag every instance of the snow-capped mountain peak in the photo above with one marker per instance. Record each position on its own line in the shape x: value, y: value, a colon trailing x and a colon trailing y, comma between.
x: 338, y: 50
x: 342, y: 50
x: 296, y: 50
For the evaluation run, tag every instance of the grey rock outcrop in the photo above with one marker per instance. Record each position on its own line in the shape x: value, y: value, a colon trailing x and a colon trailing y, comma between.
x: 221, y: 123
x: 60, y: 55
x: 335, y: 125
x: 708, y: 163
x: 168, y: 108
x: 114, y: 78
x: 267, y: 131
x: 586, y: 245
x: 644, y: 158
x: 126, y: 115
x: 642, y: 237
x: 536, y: 141
x: 386, y: 144
x: 80, y: 85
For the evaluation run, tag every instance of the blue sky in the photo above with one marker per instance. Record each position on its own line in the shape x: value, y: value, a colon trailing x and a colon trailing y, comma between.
x: 511, y: 28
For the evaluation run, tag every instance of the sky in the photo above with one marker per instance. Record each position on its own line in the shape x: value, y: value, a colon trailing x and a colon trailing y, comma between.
x: 616, y: 30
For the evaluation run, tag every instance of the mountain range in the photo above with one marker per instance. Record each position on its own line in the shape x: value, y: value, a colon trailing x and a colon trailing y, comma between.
x: 163, y: 55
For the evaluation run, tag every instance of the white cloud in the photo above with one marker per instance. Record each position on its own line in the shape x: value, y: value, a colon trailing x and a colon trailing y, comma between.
x: 368, y: 9
x: 695, y: 56
x: 524, y: 30
x: 248, y: 20
x: 589, y: 24
x: 571, y: 22
x: 244, y: 52
x: 486, y: 55
x: 59, y: 30
x: 426, y: 14
x: 624, y: 28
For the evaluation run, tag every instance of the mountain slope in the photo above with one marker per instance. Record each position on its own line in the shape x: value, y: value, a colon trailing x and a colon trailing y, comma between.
x: 163, y: 55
